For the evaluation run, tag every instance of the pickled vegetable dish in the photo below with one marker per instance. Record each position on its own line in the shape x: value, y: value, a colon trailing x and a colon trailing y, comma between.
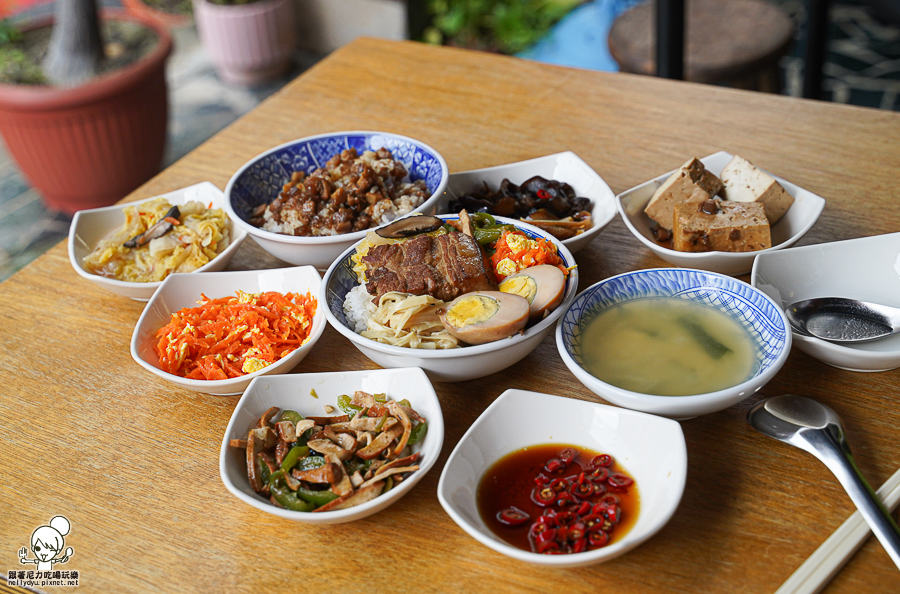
x: 233, y: 336
x: 320, y: 464
x: 557, y: 499
x: 158, y: 239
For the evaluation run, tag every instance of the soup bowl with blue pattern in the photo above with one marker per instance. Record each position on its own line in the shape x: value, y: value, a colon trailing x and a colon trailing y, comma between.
x: 261, y: 180
x: 624, y: 347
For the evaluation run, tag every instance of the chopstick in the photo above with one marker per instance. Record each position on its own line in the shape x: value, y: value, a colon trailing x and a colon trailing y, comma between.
x: 830, y: 557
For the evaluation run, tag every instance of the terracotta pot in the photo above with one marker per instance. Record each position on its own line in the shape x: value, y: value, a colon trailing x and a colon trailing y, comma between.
x: 91, y: 145
x: 143, y: 11
x: 248, y: 43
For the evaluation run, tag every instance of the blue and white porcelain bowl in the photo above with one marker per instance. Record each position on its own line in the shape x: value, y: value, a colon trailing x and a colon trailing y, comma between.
x: 763, y: 319
x: 445, y: 365
x: 261, y: 179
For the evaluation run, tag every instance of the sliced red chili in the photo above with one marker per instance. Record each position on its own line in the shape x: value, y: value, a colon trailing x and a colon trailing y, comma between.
x: 565, y: 518
x: 598, y: 538
x: 584, y: 490
x: 565, y: 498
x: 567, y: 455
x: 584, y: 508
x: 554, y: 465
x: 513, y: 516
x: 617, y: 479
x: 591, y: 520
x: 613, y: 513
x: 601, y: 460
x: 547, y: 519
x: 541, y: 479
x: 547, y: 548
x: 609, y: 499
x: 562, y: 534
x: 599, y: 474
x: 543, y: 496
x: 577, y: 531
x: 539, y: 528
x: 543, y: 194
x: 579, y: 545
x: 559, y: 485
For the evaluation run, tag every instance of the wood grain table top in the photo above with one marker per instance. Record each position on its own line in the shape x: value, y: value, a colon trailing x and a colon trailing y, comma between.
x: 133, y: 461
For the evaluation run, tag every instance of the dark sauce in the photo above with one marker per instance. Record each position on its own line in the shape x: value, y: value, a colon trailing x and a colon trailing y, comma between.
x: 511, y: 480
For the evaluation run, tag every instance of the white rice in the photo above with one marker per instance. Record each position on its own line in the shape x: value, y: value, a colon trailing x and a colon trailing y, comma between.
x: 358, y: 308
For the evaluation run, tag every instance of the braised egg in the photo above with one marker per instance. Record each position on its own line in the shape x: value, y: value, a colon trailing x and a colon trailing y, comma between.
x: 485, y: 316
x: 542, y: 286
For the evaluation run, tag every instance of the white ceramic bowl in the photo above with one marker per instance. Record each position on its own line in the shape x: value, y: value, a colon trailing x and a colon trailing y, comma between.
x: 293, y: 392
x: 754, y: 310
x: 260, y: 181
x: 867, y: 269
x: 793, y: 225
x: 184, y: 290
x: 563, y: 167
x: 90, y: 226
x: 651, y: 449
x: 449, y: 365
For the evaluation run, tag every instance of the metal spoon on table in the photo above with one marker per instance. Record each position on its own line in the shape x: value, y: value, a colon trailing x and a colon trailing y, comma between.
x: 839, y: 319
x: 812, y: 426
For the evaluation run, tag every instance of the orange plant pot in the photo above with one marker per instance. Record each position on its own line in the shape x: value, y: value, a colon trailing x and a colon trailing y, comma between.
x: 91, y: 145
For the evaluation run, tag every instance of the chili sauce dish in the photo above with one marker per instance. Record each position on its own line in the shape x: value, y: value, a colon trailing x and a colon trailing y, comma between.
x: 537, y: 190
x: 459, y: 306
x: 564, y: 482
x: 673, y: 342
x: 308, y: 200
x: 186, y: 230
x: 314, y: 470
x: 215, y: 332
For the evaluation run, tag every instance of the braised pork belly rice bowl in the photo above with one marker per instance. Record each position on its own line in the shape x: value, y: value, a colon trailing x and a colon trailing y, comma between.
x: 450, y: 283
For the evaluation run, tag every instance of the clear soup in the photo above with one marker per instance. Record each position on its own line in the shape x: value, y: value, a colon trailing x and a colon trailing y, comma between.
x: 667, y: 346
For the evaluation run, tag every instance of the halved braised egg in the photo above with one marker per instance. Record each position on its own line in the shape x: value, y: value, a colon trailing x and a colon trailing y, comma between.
x: 542, y: 286
x: 485, y: 316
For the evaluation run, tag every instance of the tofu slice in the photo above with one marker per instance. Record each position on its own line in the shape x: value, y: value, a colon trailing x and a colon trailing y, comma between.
x: 721, y: 226
x: 745, y: 182
x: 691, y: 183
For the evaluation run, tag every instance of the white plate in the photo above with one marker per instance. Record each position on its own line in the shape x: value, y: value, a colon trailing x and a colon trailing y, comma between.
x: 184, y: 290
x: 563, y: 167
x: 293, y: 392
x: 651, y: 449
x: 90, y: 226
x: 867, y: 269
x: 793, y: 225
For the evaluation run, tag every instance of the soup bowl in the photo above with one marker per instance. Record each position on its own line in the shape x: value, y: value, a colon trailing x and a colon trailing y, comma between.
x: 761, y: 318
x: 445, y: 365
x: 261, y: 179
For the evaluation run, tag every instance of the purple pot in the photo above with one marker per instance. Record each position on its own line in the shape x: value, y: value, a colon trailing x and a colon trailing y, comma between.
x: 248, y: 43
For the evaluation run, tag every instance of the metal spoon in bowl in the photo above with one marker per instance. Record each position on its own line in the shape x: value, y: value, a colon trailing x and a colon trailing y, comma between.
x: 839, y: 319
x: 815, y: 428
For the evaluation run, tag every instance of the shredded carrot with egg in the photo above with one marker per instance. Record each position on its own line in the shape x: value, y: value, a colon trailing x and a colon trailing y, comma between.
x: 233, y: 336
x: 515, y: 251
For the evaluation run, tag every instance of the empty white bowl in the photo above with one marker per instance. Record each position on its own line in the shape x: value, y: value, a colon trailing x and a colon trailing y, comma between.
x: 184, y: 290
x: 763, y: 319
x: 562, y: 167
x: 651, y: 449
x: 793, y: 225
x: 444, y: 365
x: 293, y: 392
x: 260, y: 181
x: 90, y: 226
x: 867, y: 269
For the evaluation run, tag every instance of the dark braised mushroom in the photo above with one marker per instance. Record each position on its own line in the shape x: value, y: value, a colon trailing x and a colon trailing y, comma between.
x: 160, y: 228
x: 409, y: 226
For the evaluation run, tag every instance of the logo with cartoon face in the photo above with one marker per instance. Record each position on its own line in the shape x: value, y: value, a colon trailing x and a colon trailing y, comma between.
x: 47, y: 545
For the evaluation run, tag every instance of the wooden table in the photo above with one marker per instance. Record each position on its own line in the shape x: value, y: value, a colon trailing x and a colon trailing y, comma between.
x: 133, y: 462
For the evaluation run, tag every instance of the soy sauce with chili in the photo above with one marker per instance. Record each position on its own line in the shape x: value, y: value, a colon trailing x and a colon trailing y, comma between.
x: 558, y: 499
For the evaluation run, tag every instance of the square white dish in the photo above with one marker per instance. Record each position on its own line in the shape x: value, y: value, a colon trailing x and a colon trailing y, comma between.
x: 867, y: 269
x: 799, y: 218
x: 650, y: 448
x: 90, y: 226
x: 184, y: 290
x: 563, y: 167
x: 294, y: 392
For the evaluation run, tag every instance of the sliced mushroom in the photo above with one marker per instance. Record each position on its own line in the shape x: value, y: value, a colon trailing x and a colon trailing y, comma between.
x: 380, y: 443
x: 281, y: 450
x: 413, y: 414
x: 160, y: 228
x: 303, y: 426
x: 326, y: 446
x: 292, y: 483
x: 406, y: 461
x: 327, y: 473
x: 397, y: 410
x: 253, y: 447
x: 371, y: 423
x: 410, y: 226
x: 356, y: 480
x: 387, y: 473
x: 329, y: 420
x: 363, y: 399
x: 356, y: 498
x: 465, y: 223
x: 345, y: 440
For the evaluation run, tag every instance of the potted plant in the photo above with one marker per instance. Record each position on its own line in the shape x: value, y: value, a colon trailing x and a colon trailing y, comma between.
x: 87, y: 125
x: 248, y: 41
